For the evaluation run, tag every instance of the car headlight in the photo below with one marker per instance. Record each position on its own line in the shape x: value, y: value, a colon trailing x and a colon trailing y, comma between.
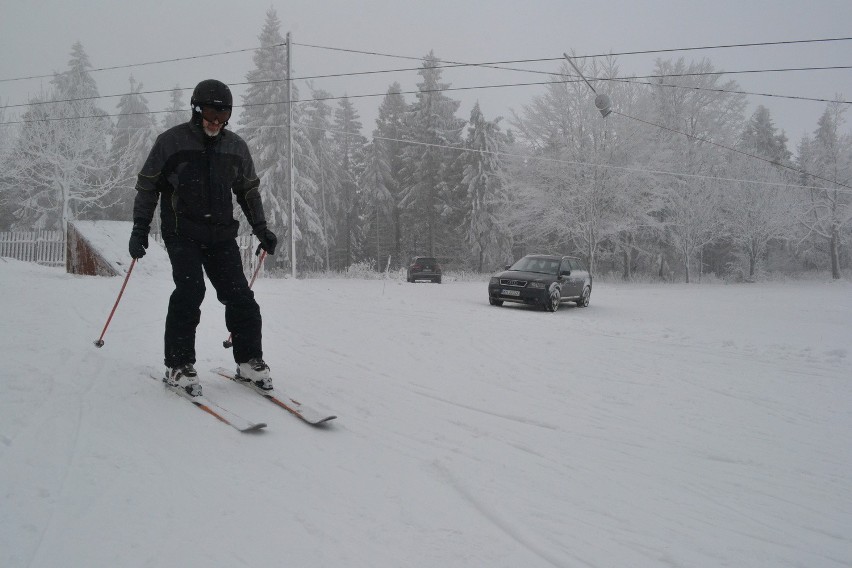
x: 494, y: 280
x: 537, y: 285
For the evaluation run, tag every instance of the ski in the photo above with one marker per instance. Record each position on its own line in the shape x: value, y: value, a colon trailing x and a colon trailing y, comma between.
x: 305, y: 413
x: 210, y: 407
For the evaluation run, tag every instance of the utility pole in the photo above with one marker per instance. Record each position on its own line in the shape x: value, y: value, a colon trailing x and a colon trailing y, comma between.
x: 290, y: 157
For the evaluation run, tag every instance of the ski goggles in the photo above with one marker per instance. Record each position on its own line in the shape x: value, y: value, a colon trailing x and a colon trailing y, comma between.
x: 215, y: 113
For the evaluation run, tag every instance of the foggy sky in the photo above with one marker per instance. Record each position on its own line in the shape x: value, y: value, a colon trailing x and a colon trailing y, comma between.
x: 36, y: 38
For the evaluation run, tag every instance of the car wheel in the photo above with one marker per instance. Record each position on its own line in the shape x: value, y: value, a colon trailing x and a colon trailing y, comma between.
x: 438, y: 281
x: 494, y: 302
x: 553, y: 304
x: 583, y: 302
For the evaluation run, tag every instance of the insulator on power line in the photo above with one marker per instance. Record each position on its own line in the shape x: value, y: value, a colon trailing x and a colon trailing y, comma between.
x: 603, y: 104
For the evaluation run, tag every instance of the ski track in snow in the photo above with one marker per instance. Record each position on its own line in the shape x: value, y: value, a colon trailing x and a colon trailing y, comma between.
x: 497, y: 520
x: 515, y: 418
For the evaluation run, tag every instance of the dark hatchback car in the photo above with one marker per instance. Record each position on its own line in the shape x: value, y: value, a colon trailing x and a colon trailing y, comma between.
x: 542, y: 279
x: 424, y: 268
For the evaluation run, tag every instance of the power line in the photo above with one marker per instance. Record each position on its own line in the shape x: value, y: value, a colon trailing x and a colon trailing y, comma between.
x: 495, y: 65
x: 129, y: 65
x: 735, y: 150
x: 88, y: 116
x: 498, y: 64
x: 753, y: 156
x: 644, y: 52
x: 452, y: 63
x: 335, y: 97
x: 696, y: 88
x: 733, y: 45
x: 558, y: 160
x: 628, y: 79
x: 617, y: 79
x: 587, y: 164
x: 78, y: 99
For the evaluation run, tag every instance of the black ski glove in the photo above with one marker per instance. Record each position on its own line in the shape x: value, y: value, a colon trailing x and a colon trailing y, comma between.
x: 138, y: 240
x: 267, y: 239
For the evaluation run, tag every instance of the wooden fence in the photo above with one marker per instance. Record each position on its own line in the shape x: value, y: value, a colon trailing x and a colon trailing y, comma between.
x: 42, y: 247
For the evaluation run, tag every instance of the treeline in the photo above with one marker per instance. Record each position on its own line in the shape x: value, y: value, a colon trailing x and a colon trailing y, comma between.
x: 675, y: 183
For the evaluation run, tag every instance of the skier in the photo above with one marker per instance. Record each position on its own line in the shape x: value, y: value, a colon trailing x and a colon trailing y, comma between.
x: 192, y: 170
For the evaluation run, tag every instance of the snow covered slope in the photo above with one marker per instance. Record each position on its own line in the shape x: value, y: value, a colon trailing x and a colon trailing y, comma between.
x: 662, y: 426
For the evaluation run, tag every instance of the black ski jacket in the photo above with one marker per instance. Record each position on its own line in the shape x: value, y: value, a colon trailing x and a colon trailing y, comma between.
x: 193, y: 176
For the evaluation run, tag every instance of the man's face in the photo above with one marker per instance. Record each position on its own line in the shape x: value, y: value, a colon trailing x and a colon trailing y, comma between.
x: 211, y: 128
x: 214, y: 118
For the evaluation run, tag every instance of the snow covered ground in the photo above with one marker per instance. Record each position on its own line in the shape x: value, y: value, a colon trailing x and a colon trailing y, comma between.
x: 665, y: 425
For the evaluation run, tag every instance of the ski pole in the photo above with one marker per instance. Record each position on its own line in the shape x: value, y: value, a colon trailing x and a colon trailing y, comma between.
x: 227, y: 343
x: 100, y: 341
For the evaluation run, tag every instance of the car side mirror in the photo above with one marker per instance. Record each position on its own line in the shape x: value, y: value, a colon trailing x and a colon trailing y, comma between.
x: 564, y: 273
x: 508, y: 266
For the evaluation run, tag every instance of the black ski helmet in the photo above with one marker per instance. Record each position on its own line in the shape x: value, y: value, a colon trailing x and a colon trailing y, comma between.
x: 211, y: 92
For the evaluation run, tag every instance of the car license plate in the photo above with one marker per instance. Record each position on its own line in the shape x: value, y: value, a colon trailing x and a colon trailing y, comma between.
x: 510, y: 292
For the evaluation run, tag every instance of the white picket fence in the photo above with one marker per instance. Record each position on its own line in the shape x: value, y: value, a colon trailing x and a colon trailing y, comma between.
x: 42, y: 247
x: 48, y: 248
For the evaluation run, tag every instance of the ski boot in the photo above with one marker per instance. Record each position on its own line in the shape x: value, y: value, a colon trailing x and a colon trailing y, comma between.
x: 256, y: 372
x: 184, y: 377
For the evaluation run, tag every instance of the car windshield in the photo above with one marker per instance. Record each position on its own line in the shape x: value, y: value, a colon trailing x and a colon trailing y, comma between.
x: 537, y: 264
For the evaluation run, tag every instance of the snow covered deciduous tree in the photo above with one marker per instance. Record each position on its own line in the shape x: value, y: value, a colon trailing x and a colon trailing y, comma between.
x: 757, y: 213
x: 693, y: 219
x: 754, y: 213
x: 8, y: 133
x: 693, y: 108
x: 827, y: 207
x: 573, y: 194
x: 9, y: 194
x: 60, y: 163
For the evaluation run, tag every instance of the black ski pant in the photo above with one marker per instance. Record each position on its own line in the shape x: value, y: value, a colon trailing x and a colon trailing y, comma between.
x: 223, y: 265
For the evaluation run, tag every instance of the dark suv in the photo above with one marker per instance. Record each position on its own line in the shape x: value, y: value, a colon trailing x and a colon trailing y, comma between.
x: 424, y: 268
x: 542, y: 279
